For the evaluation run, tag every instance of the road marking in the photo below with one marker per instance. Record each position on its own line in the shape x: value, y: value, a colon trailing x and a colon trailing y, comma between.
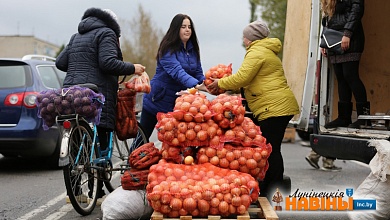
x: 43, y: 207
x: 63, y: 210
x: 60, y: 213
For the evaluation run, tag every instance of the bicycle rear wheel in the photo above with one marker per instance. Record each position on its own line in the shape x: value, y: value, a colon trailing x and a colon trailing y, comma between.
x: 81, y: 180
x: 121, y: 152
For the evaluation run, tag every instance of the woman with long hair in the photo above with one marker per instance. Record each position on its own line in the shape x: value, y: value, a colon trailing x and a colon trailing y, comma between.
x: 178, y: 68
x: 345, y: 16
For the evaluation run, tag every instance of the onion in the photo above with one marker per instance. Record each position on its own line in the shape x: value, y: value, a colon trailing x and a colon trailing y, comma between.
x: 86, y: 101
x: 189, y: 204
x: 65, y: 104
x: 77, y: 102
x: 87, y: 92
x: 45, y: 101
x: 77, y: 93
x: 50, y: 108
x: 57, y: 101
x: 87, y: 110
x: 40, y: 96
x: 69, y: 98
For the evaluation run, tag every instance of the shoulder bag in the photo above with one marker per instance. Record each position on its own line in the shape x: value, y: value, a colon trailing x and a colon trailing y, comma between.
x: 331, y: 40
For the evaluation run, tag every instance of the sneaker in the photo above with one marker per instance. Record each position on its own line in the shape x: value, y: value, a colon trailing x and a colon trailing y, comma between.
x: 80, y: 199
x: 332, y: 168
x: 312, y: 162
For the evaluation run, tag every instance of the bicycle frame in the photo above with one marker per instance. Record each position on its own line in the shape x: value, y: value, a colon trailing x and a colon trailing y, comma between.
x: 98, y: 163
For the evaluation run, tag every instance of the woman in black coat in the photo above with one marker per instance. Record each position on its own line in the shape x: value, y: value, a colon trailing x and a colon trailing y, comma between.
x: 346, y: 16
x: 93, y: 56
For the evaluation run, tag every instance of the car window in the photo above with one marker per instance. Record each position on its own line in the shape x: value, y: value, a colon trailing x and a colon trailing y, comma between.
x: 12, y: 76
x: 49, y: 76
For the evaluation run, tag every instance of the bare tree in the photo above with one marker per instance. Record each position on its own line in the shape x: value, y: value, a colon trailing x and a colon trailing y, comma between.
x: 140, y: 41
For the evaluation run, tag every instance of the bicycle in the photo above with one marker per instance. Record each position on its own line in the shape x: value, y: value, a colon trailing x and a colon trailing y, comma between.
x: 85, y: 166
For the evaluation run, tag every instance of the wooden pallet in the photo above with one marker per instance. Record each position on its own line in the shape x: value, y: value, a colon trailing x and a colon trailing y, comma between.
x: 264, y: 211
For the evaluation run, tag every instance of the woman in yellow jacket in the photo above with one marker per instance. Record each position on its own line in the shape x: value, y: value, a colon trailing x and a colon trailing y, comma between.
x: 267, y: 93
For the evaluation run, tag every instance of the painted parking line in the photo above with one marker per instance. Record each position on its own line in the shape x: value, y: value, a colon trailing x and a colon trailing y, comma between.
x: 43, y: 207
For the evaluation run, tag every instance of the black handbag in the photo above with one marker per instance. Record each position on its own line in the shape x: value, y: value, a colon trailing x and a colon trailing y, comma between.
x: 331, y: 40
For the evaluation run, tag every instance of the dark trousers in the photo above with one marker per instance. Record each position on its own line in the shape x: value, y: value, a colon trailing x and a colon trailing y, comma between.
x: 148, y: 122
x: 103, y: 136
x: 273, y: 130
x: 349, y: 82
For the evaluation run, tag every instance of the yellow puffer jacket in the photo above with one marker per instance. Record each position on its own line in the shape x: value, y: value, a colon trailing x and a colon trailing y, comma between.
x: 262, y: 76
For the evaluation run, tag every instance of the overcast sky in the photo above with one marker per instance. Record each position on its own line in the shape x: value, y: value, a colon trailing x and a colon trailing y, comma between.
x: 218, y: 23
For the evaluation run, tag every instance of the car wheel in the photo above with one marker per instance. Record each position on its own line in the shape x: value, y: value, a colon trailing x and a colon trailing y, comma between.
x: 304, y: 135
x: 52, y: 161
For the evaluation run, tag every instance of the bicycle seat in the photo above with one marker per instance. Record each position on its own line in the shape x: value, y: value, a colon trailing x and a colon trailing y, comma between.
x: 87, y: 85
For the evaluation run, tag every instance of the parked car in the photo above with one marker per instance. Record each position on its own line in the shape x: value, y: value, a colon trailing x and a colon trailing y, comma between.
x: 21, y: 132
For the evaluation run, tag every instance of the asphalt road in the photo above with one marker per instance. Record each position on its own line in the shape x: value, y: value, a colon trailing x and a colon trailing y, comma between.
x: 30, y: 191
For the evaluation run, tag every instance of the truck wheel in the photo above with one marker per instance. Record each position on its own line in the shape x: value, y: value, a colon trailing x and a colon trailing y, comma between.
x: 304, y: 135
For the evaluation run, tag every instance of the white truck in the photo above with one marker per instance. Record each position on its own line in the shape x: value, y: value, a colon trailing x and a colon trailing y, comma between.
x: 311, y: 78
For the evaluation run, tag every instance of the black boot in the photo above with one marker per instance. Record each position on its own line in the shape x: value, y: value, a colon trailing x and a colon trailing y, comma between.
x: 362, y: 108
x: 344, y: 118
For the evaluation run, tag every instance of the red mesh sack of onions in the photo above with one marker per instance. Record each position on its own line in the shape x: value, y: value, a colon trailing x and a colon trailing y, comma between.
x: 144, y: 156
x: 134, y: 179
x: 251, y: 160
x: 176, y: 154
x: 199, y: 190
x: 180, y: 133
x: 217, y: 72
x: 192, y: 107
x: 248, y: 134
x: 72, y: 100
x: 227, y: 110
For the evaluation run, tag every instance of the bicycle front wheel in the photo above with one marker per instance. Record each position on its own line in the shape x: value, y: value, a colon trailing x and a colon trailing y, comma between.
x: 121, y: 152
x: 81, y: 180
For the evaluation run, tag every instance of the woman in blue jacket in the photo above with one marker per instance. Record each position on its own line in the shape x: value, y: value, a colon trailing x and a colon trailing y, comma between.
x: 178, y: 68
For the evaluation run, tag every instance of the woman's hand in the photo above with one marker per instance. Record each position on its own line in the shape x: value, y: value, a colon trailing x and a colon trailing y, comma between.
x: 139, y: 69
x: 213, y: 87
x: 323, y: 52
x: 201, y: 87
x: 345, y: 43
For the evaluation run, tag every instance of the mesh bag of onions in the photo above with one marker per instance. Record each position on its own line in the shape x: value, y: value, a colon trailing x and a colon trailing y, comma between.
x: 71, y: 100
x: 199, y: 190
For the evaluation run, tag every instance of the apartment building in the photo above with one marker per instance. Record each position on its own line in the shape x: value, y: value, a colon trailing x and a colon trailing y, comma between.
x: 16, y: 46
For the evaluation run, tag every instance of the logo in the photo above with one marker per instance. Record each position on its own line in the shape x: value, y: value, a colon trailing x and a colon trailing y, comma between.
x: 322, y: 201
x: 277, y: 198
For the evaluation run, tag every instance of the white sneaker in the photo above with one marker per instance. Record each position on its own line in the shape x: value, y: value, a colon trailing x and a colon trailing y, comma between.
x: 333, y: 168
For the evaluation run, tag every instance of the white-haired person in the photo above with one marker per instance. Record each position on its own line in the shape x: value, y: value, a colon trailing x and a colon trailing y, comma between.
x: 268, y: 96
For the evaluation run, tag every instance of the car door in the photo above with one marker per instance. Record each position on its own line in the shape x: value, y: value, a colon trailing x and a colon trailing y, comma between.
x: 300, y: 55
